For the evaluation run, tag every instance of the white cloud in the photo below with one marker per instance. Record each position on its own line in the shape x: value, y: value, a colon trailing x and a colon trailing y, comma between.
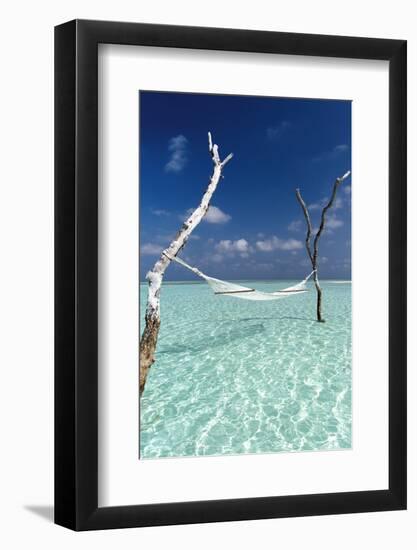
x: 332, y: 222
x: 240, y: 246
x: 216, y: 258
x: 341, y: 148
x: 150, y: 249
x: 347, y: 189
x: 333, y: 153
x: 159, y: 212
x: 275, y: 243
x: 316, y: 206
x: 178, y: 158
x: 338, y: 203
x: 295, y: 225
x: 215, y: 215
x: 277, y: 131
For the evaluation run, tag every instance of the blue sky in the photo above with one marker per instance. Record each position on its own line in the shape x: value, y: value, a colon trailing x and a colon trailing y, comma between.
x: 255, y: 228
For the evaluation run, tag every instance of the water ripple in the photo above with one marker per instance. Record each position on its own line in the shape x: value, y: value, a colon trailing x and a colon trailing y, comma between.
x: 235, y: 376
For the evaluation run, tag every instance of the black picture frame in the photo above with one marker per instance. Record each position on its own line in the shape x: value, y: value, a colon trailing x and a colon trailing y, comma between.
x: 76, y: 272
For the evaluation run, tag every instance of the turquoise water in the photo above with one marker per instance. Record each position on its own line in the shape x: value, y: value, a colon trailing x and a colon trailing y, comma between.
x: 234, y: 376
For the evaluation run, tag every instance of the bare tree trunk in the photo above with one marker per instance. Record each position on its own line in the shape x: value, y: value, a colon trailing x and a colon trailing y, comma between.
x: 155, y: 276
x: 313, y: 255
x: 319, y: 293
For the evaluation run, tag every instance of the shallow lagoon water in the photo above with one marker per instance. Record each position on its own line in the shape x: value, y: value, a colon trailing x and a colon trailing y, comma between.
x: 234, y: 376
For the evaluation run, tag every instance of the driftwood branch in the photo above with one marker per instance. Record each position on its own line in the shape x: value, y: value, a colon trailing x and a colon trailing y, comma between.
x: 155, y: 276
x: 313, y: 254
x: 308, y: 222
x: 324, y: 211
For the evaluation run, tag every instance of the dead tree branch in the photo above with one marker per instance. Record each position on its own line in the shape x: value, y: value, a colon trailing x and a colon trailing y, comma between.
x: 313, y: 255
x: 155, y: 276
x: 308, y: 222
x: 324, y: 211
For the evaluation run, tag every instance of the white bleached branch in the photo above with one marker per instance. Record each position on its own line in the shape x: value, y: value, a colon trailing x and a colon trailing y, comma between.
x: 155, y: 276
x: 226, y: 160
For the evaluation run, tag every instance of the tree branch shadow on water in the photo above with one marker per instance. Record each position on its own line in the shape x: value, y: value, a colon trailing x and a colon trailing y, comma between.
x: 222, y: 339
x: 283, y: 318
x: 45, y: 512
x: 227, y: 336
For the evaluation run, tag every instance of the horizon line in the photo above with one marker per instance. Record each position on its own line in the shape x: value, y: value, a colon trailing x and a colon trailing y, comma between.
x: 341, y: 279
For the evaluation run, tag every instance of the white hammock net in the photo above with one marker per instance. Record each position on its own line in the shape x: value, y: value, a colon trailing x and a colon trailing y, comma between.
x: 224, y: 288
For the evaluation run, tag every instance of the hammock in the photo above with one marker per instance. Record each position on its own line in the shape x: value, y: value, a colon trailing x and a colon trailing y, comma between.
x: 224, y: 288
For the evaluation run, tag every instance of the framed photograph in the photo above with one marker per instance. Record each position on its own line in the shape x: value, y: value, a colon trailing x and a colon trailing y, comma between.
x: 230, y: 247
